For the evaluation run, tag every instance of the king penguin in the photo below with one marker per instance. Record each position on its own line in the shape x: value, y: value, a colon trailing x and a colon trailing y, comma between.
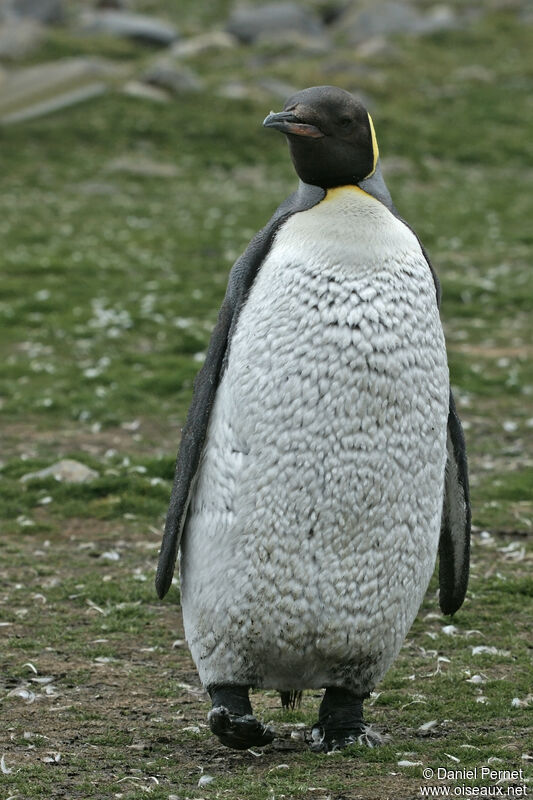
x: 322, y: 464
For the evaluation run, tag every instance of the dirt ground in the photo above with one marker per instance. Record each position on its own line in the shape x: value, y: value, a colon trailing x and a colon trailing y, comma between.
x: 100, y: 697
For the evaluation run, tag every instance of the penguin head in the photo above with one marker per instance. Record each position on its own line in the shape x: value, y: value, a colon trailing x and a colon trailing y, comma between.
x: 330, y: 134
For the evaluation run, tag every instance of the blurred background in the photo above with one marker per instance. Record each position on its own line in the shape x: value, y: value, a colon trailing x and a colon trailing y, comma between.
x: 134, y: 170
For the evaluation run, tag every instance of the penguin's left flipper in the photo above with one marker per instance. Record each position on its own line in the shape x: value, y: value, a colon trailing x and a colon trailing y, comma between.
x: 454, y: 544
x: 205, y: 386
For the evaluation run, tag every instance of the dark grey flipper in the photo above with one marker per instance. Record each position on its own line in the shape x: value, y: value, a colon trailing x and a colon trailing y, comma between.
x: 205, y: 386
x: 232, y: 720
x: 454, y: 545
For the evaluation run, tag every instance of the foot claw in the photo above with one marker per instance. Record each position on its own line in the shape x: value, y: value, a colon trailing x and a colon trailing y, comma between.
x: 324, y: 741
x: 318, y: 743
x: 238, y: 731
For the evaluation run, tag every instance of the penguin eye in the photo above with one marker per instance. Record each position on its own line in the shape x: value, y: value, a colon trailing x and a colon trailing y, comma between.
x: 345, y: 122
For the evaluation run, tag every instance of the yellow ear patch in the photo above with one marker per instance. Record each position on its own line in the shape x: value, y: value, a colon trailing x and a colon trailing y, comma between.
x: 375, y: 148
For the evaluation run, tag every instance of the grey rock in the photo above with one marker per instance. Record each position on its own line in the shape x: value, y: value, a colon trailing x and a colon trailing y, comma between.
x: 175, y: 79
x: 19, y: 37
x: 57, y: 103
x: 439, y: 18
x: 33, y: 91
x: 294, y: 42
x: 474, y: 72
x: 204, y: 43
x: 131, y: 26
x: 67, y: 470
x: 508, y: 6
x: 96, y: 188
x: 375, y: 46
x: 264, y: 89
x: 526, y: 15
x: 45, y: 11
x: 145, y: 92
x: 248, y: 23
x: 114, y: 4
x: 237, y: 90
x: 277, y: 88
x: 369, y: 20
x: 143, y: 166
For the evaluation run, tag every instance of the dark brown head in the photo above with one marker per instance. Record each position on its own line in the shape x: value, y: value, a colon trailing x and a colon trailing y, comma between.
x: 330, y: 134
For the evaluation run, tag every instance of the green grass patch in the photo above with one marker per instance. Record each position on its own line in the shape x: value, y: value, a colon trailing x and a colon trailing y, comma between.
x: 111, y: 281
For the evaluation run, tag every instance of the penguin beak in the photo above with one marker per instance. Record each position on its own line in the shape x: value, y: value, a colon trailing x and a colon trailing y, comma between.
x: 288, y: 123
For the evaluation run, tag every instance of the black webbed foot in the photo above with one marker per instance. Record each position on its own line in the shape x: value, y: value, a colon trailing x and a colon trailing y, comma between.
x: 340, y: 723
x: 232, y: 720
x: 238, y: 732
x: 326, y: 741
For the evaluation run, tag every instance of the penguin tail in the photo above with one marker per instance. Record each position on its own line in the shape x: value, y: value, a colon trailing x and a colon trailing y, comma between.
x: 291, y: 699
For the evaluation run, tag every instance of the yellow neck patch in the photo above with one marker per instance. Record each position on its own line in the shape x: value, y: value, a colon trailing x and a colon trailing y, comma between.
x: 375, y: 148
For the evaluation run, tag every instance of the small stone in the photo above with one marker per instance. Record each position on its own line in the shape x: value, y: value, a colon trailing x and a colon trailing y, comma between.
x: 438, y: 18
x: 476, y: 679
x: 374, y: 46
x: 247, y: 23
x: 45, y: 11
x: 481, y: 649
x: 114, y: 4
x: 526, y: 15
x: 236, y: 90
x: 518, y: 702
x: 362, y: 22
x: 110, y: 555
x: 294, y: 42
x: 277, y: 88
x: 145, y: 92
x: 479, y: 73
x: 33, y: 91
x: 204, y: 43
x: 67, y: 470
x: 130, y: 26
x: 146, y: 167
x: 64, y: 100
x: 178, y: 80
x: 450, y: 630
x: 19, y: 37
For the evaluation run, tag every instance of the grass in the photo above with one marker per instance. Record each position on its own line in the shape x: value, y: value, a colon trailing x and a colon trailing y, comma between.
x: 111, y: 281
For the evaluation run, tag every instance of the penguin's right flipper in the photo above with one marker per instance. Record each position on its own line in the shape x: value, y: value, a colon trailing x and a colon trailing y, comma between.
x: 454, y: 545
x: 205, y: 386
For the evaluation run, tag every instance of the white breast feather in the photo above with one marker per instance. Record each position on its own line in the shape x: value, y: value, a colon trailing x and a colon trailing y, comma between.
x: 314, y: 524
